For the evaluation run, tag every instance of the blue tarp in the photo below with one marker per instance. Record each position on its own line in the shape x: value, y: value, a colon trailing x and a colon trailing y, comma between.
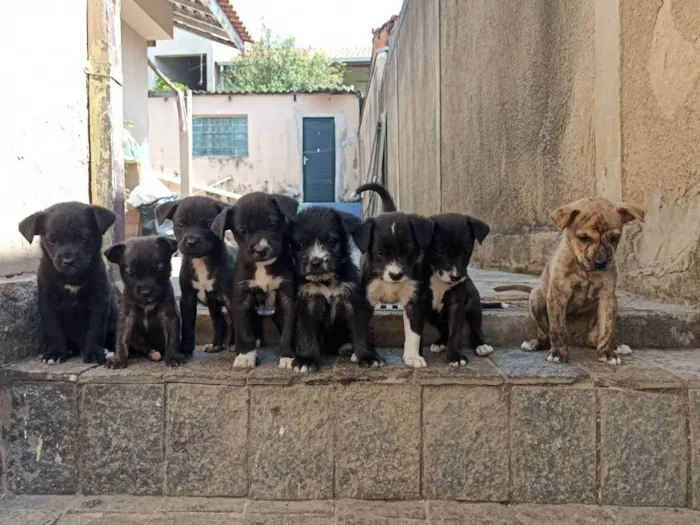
x: 354, y: 208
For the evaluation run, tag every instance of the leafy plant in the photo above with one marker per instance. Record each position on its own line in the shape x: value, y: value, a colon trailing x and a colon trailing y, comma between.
x: 274, y: 64
x: 162, y: 86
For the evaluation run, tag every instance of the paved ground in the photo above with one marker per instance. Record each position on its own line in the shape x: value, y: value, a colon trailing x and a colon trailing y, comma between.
x: 105, y: 510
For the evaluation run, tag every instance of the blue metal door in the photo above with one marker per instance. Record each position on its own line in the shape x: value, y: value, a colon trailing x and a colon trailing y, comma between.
x: 319, y: 159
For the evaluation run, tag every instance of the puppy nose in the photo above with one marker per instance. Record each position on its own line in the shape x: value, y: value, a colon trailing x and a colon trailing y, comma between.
x: 600, y: 265
x: 144, y: 290
x: 455, y: 278
x: 395, y: 276
x: 191, y: 243
x: 67, y: 260
x: 315, y: 263
x: 259, y: 249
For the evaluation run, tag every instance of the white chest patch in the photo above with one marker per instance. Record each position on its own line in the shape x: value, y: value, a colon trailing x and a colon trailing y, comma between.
x: 266, y: 282
x: 438, y: 288
x: 72, y: 288
x: 380, y: 291
x: 202, y: 282
x: 334, y: 294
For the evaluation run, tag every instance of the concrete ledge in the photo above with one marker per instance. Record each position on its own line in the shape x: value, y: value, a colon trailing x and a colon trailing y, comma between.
x: 511, y: 428
x: 130, y: 510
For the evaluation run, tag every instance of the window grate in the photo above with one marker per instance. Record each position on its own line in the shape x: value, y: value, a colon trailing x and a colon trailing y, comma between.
x: 220, y: 136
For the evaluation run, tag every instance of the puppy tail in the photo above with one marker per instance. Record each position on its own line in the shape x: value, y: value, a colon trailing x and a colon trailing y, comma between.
x: 514, y: 288
x: 493, y: 305
x: 387, y: 201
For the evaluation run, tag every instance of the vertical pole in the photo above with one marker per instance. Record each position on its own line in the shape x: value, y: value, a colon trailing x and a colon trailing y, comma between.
x: 105, y: 109
x: 186, y: 149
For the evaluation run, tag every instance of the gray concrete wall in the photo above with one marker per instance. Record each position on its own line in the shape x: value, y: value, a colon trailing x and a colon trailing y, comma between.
x: 507, y: 110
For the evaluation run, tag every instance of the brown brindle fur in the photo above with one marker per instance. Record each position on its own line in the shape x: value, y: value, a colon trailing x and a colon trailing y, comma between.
x: 579, y: 280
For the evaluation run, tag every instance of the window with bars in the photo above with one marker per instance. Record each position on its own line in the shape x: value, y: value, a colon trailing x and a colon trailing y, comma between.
x: 220, y: 136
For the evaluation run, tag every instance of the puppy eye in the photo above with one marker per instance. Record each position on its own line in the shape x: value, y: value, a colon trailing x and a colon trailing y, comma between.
x: 379, y: 252
x: 584, y: 238
x: 332, y: 241
x: 128, y: 273
x: 298, y: 245
x: 242, y: 232
x: 207, y: 224
x: 51, y: 240
x: 180, y: 224
x: 271, y: 224
x: 440, y: 251
x: 614, y: 239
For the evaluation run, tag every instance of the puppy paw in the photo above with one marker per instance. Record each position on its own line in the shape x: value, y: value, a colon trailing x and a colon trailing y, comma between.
x: 247, y: 360
x: 175, y: 360
x: 53, y: 357
x: 286, y: 363
x: 96, y: 355
x: 461, y: 361
x: 414, y: 361
x: 530, y: 346
x: 555, y: 356
x: 154, y: 355
x: 345, y: 349
x: 483, y: 350
x: 353, y: 357
x: 623, y: 350
x: 112, y: 362
x: 436, y: 348
x: 368, y: 360
x: 614, y: 360
x: 213, y: 349
x: 304, y: 369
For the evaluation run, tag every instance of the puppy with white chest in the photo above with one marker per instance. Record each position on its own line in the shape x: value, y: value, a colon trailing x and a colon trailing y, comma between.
x: 332, y: 310
x: 149, y: 322
x: 452, y: 296
x: 206, y: 274
x: 393, y: 245
x: 579, y: 280
x: 264, y: 271
x: 77, y: 302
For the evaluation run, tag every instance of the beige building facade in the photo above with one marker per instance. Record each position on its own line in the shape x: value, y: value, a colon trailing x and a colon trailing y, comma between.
x: 507, y: 110
x: 270, y: 136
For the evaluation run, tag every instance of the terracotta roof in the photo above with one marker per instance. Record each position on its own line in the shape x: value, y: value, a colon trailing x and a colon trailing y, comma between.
x: 235, y: 20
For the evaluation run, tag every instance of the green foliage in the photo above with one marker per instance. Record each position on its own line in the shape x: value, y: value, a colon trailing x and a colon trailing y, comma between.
x: 162, y: 86
x: 275, y: 64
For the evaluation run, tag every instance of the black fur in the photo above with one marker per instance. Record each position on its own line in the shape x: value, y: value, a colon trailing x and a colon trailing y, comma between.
x: 264, y: 270
x: 332, y: 308
x: 149, y: 322
x: 77, y: 302
x: 394, y: 246
x: 452, y: 297
x: 204, y: 250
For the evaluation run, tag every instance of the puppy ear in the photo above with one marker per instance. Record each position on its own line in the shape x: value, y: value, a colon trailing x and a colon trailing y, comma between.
x: 629, y: 213
x: 363, y: 235
x: 287, y: 206
x: 423, y: 230
x: 479, y: 228
x: 103, y: 217
x: 115, y: 253
x: 32, y: 226
x: 166, y: 210
x: 565, y: 215
x: 350, y: 222
x: 168, y: 245
x: 223, y: 222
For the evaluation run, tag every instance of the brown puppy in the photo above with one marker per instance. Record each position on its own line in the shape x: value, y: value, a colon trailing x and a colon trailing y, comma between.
x: 579, y: 280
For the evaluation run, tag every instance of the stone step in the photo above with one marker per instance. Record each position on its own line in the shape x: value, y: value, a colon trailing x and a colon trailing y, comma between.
x: 135, y: 510
x: 510, y: 428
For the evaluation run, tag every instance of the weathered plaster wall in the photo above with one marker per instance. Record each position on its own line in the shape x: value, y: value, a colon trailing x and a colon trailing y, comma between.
x: 660, y: 122
x: 44, y: 154
x: 541, y: 103
x: 274, y: 139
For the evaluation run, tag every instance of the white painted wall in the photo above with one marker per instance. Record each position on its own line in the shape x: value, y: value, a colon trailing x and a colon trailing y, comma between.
x: 44, y: 154
x: 135, y: 72
x: 274, y: 139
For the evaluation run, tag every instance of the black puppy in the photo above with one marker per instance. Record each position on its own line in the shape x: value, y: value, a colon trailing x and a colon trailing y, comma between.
x: 393, y: 246
x: 332, y: 310
x: 206, y: 274
x: 77, y: 302
x: 264, y: 271
x: 149, y: 322
x: 452, y: 295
